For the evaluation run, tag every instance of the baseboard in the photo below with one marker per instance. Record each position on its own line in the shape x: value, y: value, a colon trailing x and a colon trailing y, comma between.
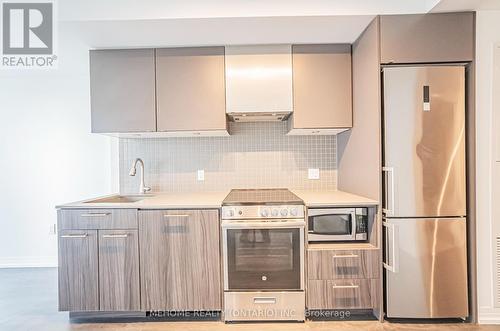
x: 489, y: 317
x: 28, y: 262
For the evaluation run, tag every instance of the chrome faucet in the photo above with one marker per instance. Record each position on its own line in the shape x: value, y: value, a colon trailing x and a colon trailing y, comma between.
x: 142, y: 189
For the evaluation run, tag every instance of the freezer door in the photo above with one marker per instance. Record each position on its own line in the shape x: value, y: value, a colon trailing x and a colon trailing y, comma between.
x: 424, y: 141
x: 426, y: 268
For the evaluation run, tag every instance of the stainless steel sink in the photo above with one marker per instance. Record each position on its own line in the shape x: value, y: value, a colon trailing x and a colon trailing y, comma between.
x: 120, y: 199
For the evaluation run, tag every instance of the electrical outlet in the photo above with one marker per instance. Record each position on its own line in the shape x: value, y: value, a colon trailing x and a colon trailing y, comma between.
x: 313, y: 173
x: 201, y: 175
x: 53, y: 229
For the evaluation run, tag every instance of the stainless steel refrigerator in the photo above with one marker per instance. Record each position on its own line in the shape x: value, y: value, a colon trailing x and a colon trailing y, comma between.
x: 424, y: 175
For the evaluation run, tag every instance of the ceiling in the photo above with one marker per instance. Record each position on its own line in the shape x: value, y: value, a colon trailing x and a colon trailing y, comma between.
x: 465, y: 5
x: 217, y: 31
x: 78, y: 10
x: 157, y: 23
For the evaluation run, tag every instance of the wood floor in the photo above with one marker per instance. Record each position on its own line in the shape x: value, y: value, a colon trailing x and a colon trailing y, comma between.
x: 28, y: 301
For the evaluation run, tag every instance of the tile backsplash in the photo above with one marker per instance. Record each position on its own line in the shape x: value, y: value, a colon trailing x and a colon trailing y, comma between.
x: 256, y: 155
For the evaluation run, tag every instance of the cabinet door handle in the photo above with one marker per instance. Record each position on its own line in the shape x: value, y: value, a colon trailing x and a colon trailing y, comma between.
x: 125, y: 235
x: 335, y: 286
x: 176, y: 215
x: 94, y: 214
x: 264, y: 300
x: 85, y: 235
x: 344, y: 256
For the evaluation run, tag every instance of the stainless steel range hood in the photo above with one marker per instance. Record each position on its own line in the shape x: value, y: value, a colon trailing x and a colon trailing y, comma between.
x: 259, y: 83
x: 259, y: 117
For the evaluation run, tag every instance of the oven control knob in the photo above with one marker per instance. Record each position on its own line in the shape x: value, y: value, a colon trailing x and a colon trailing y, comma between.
x: 294, y: 212
x: 284, y: 212
x: 264, y: 213
x: 275, y: 212
x: 264, y: 278
x: 229, y: 213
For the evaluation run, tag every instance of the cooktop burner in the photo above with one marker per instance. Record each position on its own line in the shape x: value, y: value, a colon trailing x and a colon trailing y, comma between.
x: 280, y: 196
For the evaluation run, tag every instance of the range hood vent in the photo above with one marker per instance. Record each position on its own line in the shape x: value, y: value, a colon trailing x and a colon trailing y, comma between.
x: 259, y: 117
x: 259, y: 83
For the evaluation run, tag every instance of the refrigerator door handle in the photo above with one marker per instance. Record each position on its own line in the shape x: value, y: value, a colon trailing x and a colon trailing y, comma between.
x: 389, y: 190
x: 391, y: 247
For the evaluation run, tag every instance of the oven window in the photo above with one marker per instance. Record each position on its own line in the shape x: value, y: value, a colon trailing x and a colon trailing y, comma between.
x: 335, y: 224
x: 261, y: 259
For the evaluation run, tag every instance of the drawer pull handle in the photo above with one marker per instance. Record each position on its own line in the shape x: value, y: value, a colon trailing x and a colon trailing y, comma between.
x: 85, y: 235
x: 344, y: 256
x: 264, y: 300
x: 95, y: 215
x: 345, y: 286
x: 125, y: 235
x: 176, y: 215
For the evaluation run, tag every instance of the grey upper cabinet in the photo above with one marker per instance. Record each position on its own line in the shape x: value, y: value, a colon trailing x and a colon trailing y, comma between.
x: 122, y: 85
x: 427, y: 38
x: 78, y: 265
x: 190, y: 89
x: 180, y: 260
x: 119, y: 270
x: 322, y: 94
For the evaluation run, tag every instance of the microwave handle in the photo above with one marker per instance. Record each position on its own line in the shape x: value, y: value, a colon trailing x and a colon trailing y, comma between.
x: 353, y: 223
x: 330, y: 211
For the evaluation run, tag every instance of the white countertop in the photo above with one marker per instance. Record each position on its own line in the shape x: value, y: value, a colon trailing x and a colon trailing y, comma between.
x: 195, y: 200
x: 202, y: 200
x: 332, y: 199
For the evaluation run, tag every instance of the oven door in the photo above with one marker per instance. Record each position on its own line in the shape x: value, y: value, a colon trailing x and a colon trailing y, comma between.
x: 263, y: 255
x: 335, y: 224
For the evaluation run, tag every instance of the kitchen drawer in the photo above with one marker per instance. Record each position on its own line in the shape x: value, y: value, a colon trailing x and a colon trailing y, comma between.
x: 97, y: 219
x: 342, y: 294
x: 334, y: 264
x: 244, y: 306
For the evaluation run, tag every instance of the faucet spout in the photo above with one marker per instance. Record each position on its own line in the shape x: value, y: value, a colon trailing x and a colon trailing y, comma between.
x: 143, y: 188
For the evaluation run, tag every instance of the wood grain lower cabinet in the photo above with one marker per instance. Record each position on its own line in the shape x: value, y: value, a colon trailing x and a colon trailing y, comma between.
x: 180, y: 260
x: 78, y: 270
x: 342, y: 294
x: 96, y: 219
x: 334, y: 264
x: 119, y: 270
x: 343, y: 279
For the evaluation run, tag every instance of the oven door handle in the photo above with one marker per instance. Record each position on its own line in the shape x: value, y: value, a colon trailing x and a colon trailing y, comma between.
x: 264, y: 300
x: 262, y: 225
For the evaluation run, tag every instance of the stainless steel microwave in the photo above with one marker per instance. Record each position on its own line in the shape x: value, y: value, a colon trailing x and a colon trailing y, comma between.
x: 338, y: 224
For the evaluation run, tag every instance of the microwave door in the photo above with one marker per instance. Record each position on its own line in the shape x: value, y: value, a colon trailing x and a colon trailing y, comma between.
x: 332, y: 227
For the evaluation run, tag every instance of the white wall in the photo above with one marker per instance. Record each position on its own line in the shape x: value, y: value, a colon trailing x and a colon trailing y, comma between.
x: 47, y: 155
x: 488, y: 171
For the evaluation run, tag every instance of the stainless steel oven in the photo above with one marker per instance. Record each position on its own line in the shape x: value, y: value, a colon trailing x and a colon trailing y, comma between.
x: 263, y: 255
x: 337, y: 224
x: 263, y: 239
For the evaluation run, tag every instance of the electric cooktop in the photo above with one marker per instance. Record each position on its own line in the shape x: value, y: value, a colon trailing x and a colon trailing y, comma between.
x: 279, y: 196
